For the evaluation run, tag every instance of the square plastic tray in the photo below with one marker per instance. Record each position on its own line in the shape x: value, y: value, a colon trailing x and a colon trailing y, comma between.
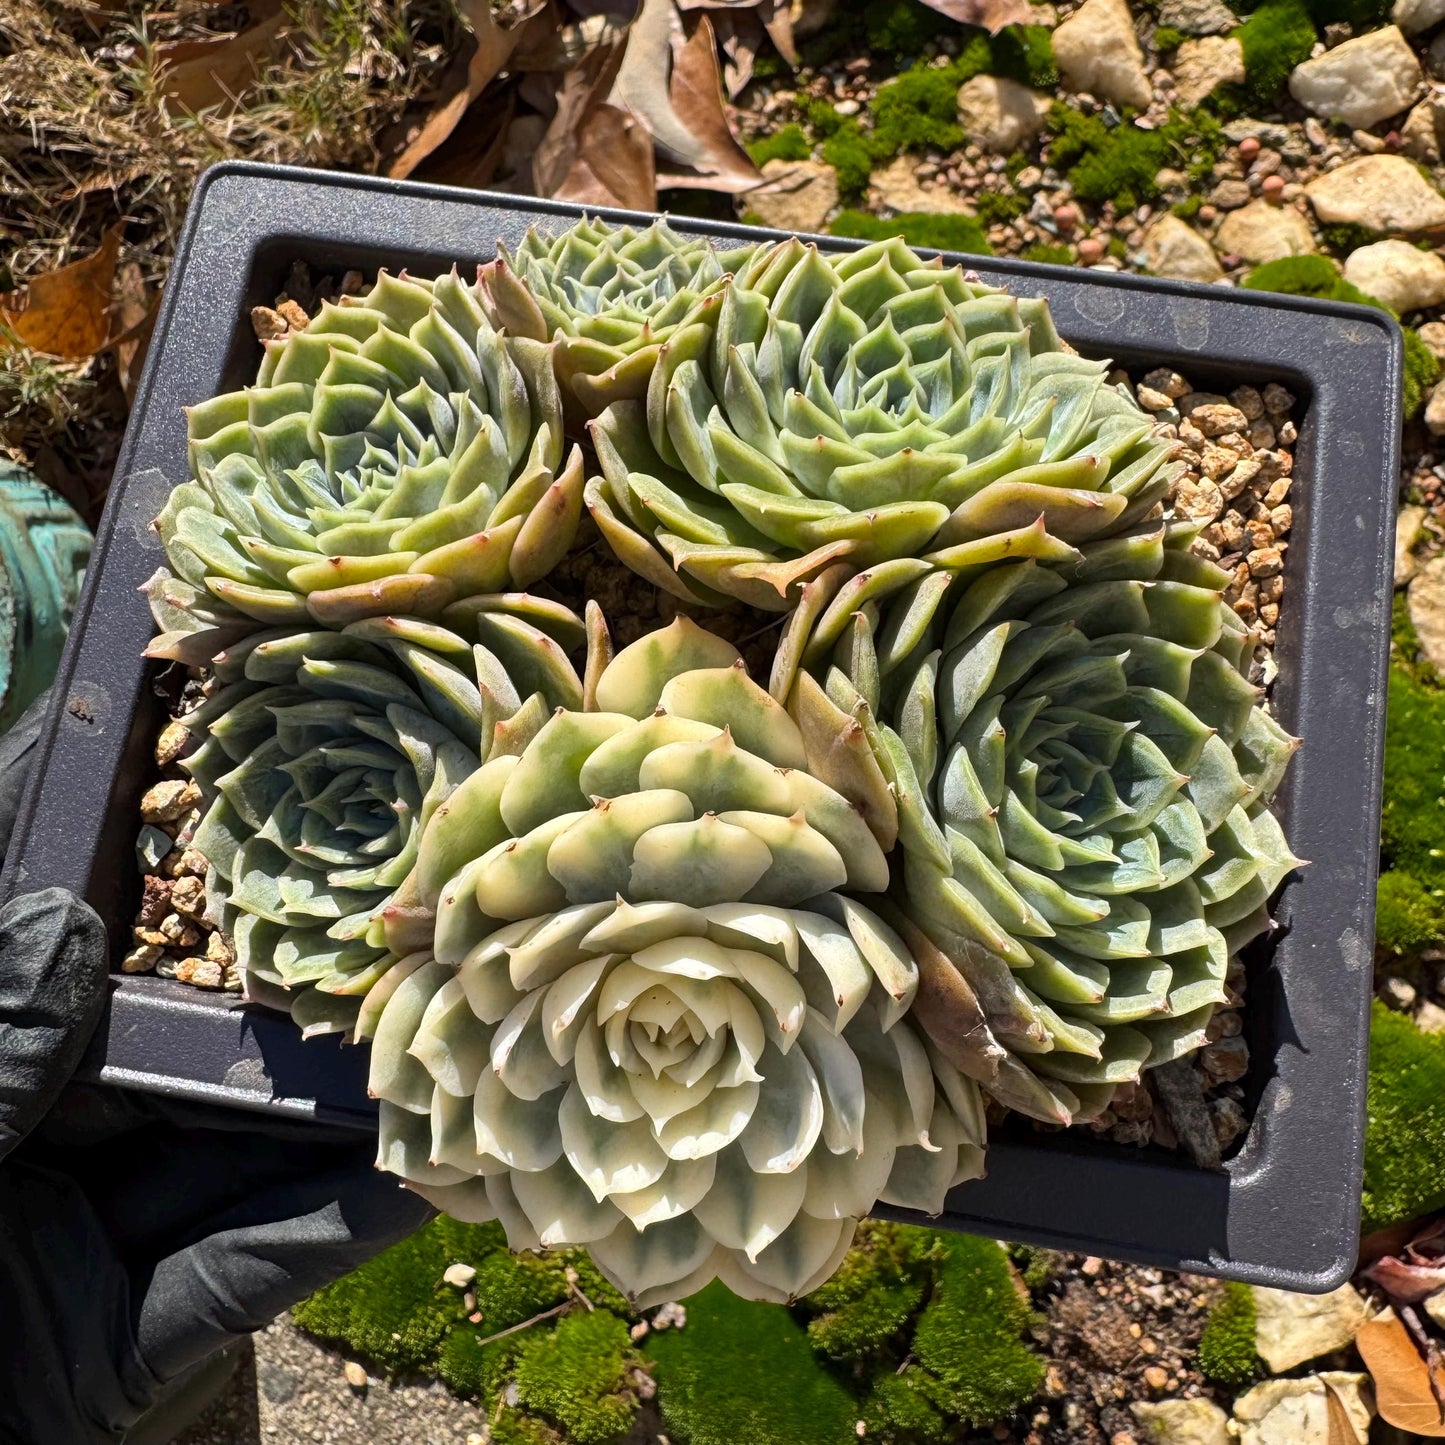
x: 1284, y: 1210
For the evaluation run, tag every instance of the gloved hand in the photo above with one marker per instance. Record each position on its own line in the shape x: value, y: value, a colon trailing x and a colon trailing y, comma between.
x: 140, y: 1234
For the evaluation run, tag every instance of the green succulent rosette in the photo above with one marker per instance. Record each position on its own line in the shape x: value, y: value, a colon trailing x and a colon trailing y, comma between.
x: 608, y: 298
x: 857, y: 408
x: 652, y: 1022
x: 394, y: 456
x: 322, y: 757
x: 1080, y: 776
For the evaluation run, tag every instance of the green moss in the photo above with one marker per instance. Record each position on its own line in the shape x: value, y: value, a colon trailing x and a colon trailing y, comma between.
x: 900, y: 29
x: 1025, y: 53
x: 1303, y: 276
x: 788, y: 144
x: 1405, y: 1133
x: 919, y: 110
x: 1408, y: 915
x: 1121, y: 163
x: 1276, y: 38
x: 1051, y: 253
x: 847, y: 152
x: 970, y: 1358
x: 1344, y: 237
x: 996, y: 206
x: 1317, y: 276
x: 576, y: 1376
x: 1412, y: 819
x: 1167, y: 39
x: 395, y: 1310
x: 1188, y: 208
x: 1422, y: 371
x: 923, y: 229
x: 743, y: 1372
x: 1227, y: 1351
x: 1038, y: 1266
x: 864, y: 1310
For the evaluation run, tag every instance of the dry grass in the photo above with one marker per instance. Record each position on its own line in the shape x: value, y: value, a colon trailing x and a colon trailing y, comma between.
x: 86, y: 140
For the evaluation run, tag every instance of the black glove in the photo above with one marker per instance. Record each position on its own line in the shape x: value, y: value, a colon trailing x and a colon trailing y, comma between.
x: 138, y: 1234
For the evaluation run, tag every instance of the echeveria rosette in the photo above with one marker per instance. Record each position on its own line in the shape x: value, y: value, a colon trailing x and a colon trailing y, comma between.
x: 396, y: 455
x: 857, y: 408
x: 1082, y: 776
x: 607, y: 298
x: 323, y: 755
x: 652, y: 1024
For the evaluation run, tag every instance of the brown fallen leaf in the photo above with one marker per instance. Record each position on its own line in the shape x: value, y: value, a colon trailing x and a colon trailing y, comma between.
x: 778, y: 22
x: 697, y: 100
x: 1406, y: 1282
x: 993, y: 15
x: 64, y: 313
x: 1402, y: 1378
x: 135, y: 315
x: 642, y: 82
x: 739, y: 34
x: 469, y: 74
x: 1342, y: 1428
x: 614, y: 164
x: 471, y: 154
x: 584, y: 87
x: 215, y: 74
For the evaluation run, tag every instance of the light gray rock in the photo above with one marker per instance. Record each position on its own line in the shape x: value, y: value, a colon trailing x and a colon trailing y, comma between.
x: 1435, y: 57
x: 1427, y: 609
x: 897, y: 186
x: 1404, y: 277
x: 1297, y: 1412
x: 1409, y: 524
x: 1432, y: 333
x: 1172, y: 248
x: 796, y: 195
x: 1098, y: 52
x: 1381, y: 193
x: 1201, y: 66
x: 1198, y: 17
x: 1292, y: 1328
x: 1422, y: 137
x: 1182, y: 1422
x: 1267, y: 133
x: 1363, y: 81
x: 1000, y: 115
x: 1260, y: 232
x: 1413, y: 16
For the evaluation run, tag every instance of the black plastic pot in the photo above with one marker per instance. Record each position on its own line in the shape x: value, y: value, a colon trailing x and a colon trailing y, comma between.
x: 1284, y: 1211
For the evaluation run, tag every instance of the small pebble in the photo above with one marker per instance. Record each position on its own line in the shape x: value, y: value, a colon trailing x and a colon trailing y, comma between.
x: 1249, y: 148
x: 355, y: 1375
x: 171, y: 743
x: 1156, y: 1377
x: 1091, y: 250
x: 1396, y: 993
x: 459, y: 1276
x: 168, y: 800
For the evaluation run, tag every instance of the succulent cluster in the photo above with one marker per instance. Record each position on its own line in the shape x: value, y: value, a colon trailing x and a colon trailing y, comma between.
x: 395, y: 456
x: 651, y: 958
x: 859, y: 409
x: 1081, y: 776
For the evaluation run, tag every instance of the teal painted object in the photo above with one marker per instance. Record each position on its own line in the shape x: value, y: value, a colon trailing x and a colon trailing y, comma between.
x: 44, y: 548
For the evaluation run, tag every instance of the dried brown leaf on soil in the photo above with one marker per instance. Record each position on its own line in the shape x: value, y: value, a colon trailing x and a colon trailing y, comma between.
x: 614, y: 164
x: 642, y: 82
x: 64, y: 313
x: 135, y: 316
x: 1342, y: 1429
x: 218, y: 73
x: 697, y: 101
x: 1405, y: 1282
x: 1403, y: 1393
x: 993, y: 15
x: 470, y: 73
x: 739, y: 34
